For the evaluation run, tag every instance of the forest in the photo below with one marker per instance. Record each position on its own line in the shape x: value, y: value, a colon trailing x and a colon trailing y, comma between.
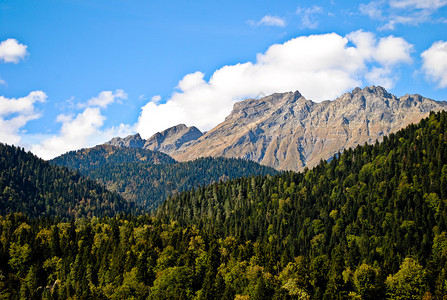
x: 32, y: 186
x: 146, y: 177
x: 370, y: 223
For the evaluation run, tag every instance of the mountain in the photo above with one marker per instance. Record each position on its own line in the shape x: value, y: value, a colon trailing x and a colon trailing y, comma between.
x: 287, y: 132
x: 88, y: 159
x: 172, y: 138
x: 148, y: 177
x: 131, y: 141
x: 375, y: 213
x: 36, y: 188
x: 369, y: 224
x: 166, y: 141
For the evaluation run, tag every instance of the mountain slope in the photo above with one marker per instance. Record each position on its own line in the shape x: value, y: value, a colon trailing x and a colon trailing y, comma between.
x: 369, y: 224
x: 146, y: 177
x: 370, y: 207
x: 36, y: 188
x: 288, y: 132
x: 89, y: 159
x: 166, y: 141
x: 172, y: 138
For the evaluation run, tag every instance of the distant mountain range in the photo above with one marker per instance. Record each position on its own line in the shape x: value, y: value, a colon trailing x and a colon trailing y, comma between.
x: 287, y: 132
x: 167, y: 141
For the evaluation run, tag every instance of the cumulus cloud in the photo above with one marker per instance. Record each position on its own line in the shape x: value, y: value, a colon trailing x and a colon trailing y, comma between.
x: 15, y: 113
x: 12, y: 51
x: 388, y: 51
x: 269, y: 20
x: 307, y: 16
x: 84, y: 129
x: 320, y: 66
x: 104, y: 99
x: 434, y: 63
x: 405, y: 12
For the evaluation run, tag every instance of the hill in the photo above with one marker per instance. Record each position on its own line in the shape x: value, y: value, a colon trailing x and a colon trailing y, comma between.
x: 369, y: 224
x: 36, y: 188
x: 88, y: 159
x: 146, y: 177
x: 374, y: 204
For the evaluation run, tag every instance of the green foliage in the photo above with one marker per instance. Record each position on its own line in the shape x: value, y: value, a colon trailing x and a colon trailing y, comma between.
x: 147, y: 178
x: 89, y: 159
x: 36, y: 188
x: 374, y: 204
x: 408, y: 283
x: 369, y: 224
x: 367, y: 282
x: 173, y: 283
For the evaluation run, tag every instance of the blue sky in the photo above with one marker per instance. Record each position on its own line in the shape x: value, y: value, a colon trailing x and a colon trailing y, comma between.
x: 76, y: 73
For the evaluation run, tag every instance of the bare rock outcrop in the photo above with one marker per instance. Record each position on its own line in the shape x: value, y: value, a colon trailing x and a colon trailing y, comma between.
x: 288, y: 132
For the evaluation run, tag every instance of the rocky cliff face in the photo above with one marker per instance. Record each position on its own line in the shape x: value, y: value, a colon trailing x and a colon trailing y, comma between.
x: 132, y: 141
x: 288, y: 132
x: 166, y: 141
x: 172, y: 138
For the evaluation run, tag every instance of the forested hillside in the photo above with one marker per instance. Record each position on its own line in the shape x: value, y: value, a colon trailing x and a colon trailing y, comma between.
x: 36, y: 188
x: 89, y: 159
x: 369, y: 224
x: 375, y: 205
x: 134, y: 173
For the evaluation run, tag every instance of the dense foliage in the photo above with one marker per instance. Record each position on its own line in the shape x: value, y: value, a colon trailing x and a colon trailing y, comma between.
x: 137, y: 179
x: 369, y: 224
x: 90, y: 159
x: 375, y: 205
x: 33, y: 186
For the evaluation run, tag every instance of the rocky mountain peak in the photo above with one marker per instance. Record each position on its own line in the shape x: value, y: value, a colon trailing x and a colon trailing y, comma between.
x: 288, y: 132
x: 172, y: 138
x: 131, y: 141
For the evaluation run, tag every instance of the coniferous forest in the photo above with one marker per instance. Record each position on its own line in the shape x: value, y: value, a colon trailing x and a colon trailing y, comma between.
x: 146, y: 177
x: 369, y: 224
x: 33, y: 186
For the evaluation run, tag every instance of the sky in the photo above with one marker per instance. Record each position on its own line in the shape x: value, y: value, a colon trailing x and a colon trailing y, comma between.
x: 76, y: 73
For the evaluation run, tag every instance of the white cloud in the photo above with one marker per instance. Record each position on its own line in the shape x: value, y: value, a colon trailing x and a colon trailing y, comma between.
x: 405, y: 12
x: 388, y: 51
x: 15, y: 113
x: 382, y: 77
x: 269, y: 20
x: 2, y: 82
x: 156, y: 98
x: 435, y: 63
x: 372, y: 9
x: 418, y: 4
x: 84, y: 129
x: 78, y: 132
x: 104, y: 99
x: 308, y: 16
x: 319, y: 66
x: 12, y: 51
x: 393, y: 50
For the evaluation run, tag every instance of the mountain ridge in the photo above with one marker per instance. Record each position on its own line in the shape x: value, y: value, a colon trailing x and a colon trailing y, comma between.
x: 289, y: 132
x: 145, y: 177
x: 166, y: 141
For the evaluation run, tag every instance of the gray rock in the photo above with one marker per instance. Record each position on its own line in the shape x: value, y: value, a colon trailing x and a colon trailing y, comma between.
x: 166, y: 141
x: 288, y: 132
x: 172, y: 138
x: 131, y: 141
